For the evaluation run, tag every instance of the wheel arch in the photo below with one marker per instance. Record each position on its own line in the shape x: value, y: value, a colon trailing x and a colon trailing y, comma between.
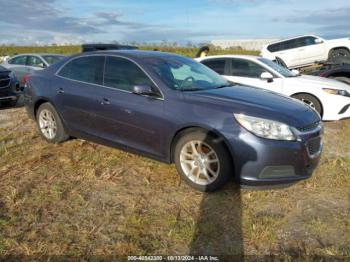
x: 337, y: 47
x: 187, y: 129
x: 306, y: 93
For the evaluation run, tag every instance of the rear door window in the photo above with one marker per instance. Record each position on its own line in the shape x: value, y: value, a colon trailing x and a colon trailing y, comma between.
x: 19, y: 60
x: 217, y: 65
x: 87, y: 69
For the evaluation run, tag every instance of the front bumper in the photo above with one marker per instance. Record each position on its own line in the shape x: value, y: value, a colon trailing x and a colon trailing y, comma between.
x: 335, y: 107
x: 264, y: 162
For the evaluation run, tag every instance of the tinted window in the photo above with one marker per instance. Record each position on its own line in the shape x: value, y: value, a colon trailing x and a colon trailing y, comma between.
x: 218, y: 65
x: 274, y: 47
x: 245, y: 68
x: 87, y: 69
x: 305, y: 41
x: 285, y: 45
x: 19, y: 60
x: 124, y: 74
x: 34, y: 61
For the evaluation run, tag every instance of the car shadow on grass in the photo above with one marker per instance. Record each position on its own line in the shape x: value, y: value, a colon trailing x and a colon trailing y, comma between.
x: 218, y: 231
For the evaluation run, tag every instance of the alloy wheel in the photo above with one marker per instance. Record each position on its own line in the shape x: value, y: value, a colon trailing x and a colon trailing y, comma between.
x: 47, y: 124
x: 199, y: 162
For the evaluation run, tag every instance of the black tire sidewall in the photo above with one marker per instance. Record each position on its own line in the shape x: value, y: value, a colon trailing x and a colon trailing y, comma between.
x: 226, y: 170
x: 313, y: 99
x: 334, y: 54
x: 61, y: 134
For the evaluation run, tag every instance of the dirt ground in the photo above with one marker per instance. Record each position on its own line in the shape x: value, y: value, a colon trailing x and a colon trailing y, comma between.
x: 79, y: 198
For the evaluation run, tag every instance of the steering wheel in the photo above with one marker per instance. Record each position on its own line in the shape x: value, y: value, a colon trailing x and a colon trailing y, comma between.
x: 187, y: 79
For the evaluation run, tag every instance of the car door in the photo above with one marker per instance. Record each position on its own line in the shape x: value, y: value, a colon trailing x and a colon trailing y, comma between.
x: 126, y: 118
x: 247, y: 72
x: 75, y: 87
x: 310, y: 50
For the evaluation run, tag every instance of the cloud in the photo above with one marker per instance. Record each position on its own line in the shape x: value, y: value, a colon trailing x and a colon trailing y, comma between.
x: 332, y: 21
x: 43, y: 22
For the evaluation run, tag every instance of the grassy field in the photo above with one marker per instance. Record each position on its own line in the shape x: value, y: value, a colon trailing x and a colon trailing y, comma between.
x: 79, y: 198
x: 83, y: 199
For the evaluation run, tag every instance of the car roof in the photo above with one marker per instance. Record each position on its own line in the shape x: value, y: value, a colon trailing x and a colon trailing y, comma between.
x: 131, y: 53
x: 248, y: 57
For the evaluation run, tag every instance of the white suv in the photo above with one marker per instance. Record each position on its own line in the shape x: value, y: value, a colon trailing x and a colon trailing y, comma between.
x: 305, y: 50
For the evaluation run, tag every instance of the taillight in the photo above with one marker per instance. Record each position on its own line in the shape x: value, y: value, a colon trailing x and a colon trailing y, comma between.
x: 25, y: 79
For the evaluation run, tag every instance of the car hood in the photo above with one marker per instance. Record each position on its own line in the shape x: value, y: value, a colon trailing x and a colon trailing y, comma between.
x: 257, y: 102
x: 319, y: 82
x: 343, y: 41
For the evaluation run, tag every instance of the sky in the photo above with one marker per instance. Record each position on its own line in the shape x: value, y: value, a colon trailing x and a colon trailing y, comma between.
x: 25, y: 22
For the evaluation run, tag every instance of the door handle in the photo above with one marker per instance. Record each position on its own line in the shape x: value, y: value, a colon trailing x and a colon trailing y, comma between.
x: 105, y: 101
x: 60, y: 91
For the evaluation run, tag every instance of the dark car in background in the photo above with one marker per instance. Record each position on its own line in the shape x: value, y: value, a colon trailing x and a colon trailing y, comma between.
x: 9, y: 87
x: 105, y: 47
x: 340, y: 72
x: 176, y: 110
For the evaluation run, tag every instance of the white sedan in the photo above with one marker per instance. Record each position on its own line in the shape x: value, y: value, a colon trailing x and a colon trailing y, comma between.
x: 328, y: 97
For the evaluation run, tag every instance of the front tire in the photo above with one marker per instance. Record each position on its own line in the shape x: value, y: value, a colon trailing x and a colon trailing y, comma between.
x: 50, y: 124
x: 203, y: 161
x: 311, y: 101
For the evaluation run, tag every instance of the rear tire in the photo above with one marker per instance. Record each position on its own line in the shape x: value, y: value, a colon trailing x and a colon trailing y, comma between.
x: 311, y: 101
x: 50, y: 124
x: 336, y: 55
x: 203, y: 161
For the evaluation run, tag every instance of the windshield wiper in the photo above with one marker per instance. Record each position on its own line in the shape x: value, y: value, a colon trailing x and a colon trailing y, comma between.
x: 191, y: 89
x: 223, y: 86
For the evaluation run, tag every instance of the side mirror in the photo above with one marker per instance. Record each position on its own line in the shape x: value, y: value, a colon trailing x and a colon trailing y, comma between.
x: 266, y: 76
x: 144, y: 90
x: 318, y: 41
x: 41, y: 65
x: 295, y: 72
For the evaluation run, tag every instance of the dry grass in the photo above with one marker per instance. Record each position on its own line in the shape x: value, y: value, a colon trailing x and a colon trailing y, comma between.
x: 79, y: 198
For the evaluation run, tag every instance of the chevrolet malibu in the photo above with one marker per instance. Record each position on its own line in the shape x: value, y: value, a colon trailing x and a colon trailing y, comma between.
x: 176, y: 110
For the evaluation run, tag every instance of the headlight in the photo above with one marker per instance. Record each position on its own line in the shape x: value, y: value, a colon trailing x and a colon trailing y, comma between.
x: 336, y: 92
x: 266, y: 128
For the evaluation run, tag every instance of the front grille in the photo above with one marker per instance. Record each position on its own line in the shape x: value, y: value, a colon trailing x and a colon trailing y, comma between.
x: 309, y: 127
x: 314, y: 146
x: 4, y: 81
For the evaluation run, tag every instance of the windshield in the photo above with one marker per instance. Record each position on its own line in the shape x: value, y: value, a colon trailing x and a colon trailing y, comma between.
x: 185, y: 74
x: 280, y: 69
x: 51, y: 59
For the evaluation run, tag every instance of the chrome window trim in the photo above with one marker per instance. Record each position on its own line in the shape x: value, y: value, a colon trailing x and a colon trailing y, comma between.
x: 112, y: 88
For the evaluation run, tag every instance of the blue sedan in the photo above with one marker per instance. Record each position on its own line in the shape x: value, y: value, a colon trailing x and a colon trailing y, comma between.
x: 176, y: 110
